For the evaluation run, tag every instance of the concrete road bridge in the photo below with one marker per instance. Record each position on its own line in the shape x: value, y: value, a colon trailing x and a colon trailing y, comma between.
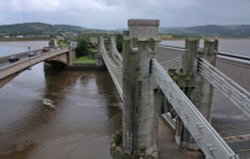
x: 174, y: 83
x: 57, y: 57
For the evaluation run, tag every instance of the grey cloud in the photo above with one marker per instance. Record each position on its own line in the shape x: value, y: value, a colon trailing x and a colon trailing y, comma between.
x: 109, y: 14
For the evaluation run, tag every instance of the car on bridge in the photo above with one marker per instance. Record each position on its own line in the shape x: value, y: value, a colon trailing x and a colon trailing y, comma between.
x: 13, y: 58
x: 46, y: 49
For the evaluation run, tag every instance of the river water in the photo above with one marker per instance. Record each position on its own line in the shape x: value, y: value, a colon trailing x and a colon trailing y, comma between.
x: 64, y: 115
x: 235, y: 46
x: 69, y: 114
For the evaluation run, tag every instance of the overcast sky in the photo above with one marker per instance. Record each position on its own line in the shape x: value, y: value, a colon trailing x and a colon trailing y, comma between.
x: 111, y: 14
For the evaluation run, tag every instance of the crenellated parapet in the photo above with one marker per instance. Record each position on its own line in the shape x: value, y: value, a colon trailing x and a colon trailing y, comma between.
x: 144, y: 28
x: 143, y: 22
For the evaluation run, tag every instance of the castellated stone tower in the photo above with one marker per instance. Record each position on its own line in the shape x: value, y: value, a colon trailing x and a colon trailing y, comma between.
x: 143, y: 28
x: 139, y: 115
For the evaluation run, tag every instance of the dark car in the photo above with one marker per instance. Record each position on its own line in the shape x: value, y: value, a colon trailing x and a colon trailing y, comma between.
x: 13, y: 58
x: 46, y: 49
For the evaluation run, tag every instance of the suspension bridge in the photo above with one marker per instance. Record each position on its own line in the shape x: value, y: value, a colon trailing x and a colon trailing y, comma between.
x: 186, y: 77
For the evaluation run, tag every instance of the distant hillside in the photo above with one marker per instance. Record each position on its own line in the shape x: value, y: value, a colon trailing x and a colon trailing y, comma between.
x: 210, y: 30
x: 41, y: 28
x: 25, y: 28
x: 33, y: 29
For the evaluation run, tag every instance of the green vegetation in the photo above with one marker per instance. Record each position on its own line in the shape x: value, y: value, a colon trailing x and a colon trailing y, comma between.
x: 42, y: 30
x: 85, y: 47
x: 84, y: 60
x: 26, y: 28
x: 85, y: 51
x: 93, y: 50
x: 119, y: 42
x: 166, y: 37
x: 63, y: 43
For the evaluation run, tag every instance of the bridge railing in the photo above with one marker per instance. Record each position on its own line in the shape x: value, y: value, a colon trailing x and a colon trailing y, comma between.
x: 112, y: 69
x: 175, y: 63
x: 206, y: 137
x: 234, y: 56
x: 234, y: 92
x: 168, y: 52
x: 23, y: 64
x: 19, y: 55
x: 236, y: 67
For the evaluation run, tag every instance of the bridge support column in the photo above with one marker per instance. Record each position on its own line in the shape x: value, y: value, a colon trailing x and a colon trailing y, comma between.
x: 186, y: 81
x: 71, y: 56
x: 199, y: 91
x: 99, y: 60
x: 138, y: 109
x: 206, y: 91
x: 112, y: 37
x: 139, y: 114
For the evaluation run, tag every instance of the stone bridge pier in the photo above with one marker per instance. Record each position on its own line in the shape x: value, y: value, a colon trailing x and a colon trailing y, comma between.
x: 99, y: 60
x: 60, y: 61
x: 139, y: 129
x: 196, y: 88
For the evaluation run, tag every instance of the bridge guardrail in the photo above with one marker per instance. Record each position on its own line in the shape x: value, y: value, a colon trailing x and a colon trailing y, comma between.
x: 164, y: 52
x: 206, y: 137
x: 23, y: 64
x: 234, y: 56
x: 174, y: 47
x: 234, y: 92
x: 110, y: 68
x: 19, y: 55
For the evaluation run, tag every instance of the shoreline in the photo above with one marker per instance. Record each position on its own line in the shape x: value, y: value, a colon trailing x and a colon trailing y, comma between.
x: 23, y: 40
x: 85, y: 67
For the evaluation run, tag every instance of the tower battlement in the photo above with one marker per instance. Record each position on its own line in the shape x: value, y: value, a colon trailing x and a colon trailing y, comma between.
x: 143, y: 22
x: 143, y: 28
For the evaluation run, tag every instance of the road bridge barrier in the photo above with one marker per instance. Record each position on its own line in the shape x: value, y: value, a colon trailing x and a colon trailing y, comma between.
x: 19, y: 55
x: 24, y: 64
